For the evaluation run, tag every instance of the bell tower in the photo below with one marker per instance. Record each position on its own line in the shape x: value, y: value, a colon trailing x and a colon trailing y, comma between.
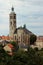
x: 12, y: 22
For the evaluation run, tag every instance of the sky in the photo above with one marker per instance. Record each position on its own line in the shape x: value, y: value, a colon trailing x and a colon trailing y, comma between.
x: 29, y: 12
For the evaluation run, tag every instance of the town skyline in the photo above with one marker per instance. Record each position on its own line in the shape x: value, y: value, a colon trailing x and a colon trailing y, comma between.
x: 27, y: 12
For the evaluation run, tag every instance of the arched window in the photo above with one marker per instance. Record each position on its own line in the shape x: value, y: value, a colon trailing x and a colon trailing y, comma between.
x: 10, y: 17
x: 10, y: 23
x: 14, y: 17
x: 15, y: 37
x: 14, y: 22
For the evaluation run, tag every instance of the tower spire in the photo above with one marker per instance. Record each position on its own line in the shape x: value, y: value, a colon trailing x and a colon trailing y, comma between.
x: 12, y: 8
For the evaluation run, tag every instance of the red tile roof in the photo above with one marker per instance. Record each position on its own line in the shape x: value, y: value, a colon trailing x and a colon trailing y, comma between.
x: 5, y: 37
x: 10, y: 45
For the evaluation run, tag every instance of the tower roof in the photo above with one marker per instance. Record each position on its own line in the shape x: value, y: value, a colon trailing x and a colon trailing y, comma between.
x: 12, y: 11
x: 12, y: 8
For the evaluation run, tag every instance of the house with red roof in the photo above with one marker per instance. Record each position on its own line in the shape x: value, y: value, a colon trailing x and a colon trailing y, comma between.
x: 9, y: 48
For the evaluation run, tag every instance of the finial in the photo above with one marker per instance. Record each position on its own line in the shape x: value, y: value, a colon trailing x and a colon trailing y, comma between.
x: 24, y: 25
x: 12, y: 8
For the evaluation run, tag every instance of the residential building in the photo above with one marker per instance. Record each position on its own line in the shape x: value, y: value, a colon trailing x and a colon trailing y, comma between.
x: 39, y: 42
x: 9, y: 48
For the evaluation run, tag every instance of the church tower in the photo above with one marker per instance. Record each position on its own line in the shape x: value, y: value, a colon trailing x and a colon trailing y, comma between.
x: 12, y: 21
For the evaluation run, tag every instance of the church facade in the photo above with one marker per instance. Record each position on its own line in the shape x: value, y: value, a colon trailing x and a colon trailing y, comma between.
x: 21, y: 35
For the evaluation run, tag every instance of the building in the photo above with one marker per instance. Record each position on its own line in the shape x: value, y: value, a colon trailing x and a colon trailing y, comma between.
x: 40, y: 39
x: 5, y: 37
x: 21, y: 35
x: 39, y: 42
x: 5, y: 40
x: 9, y: 48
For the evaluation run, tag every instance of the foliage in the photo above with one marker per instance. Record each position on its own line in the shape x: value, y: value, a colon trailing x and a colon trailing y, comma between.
x: 32, y: 39
x: 36, y: 49
x: 30, y: 57
x: 15, y: 45
x: 41, y: 49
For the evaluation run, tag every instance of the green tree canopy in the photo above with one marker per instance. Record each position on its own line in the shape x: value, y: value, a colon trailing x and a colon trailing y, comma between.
x: 32, y: 39
x: 15, y: 45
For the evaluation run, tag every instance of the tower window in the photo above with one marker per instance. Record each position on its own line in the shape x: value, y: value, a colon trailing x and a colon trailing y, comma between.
x: 10, y: 17
x: 14, y: 22
x: 15, y: 37
x: 19, y: 37
x: 10, y: 23
x: 14, y: 17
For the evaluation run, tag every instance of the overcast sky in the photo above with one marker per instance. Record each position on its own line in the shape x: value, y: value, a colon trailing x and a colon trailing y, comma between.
x: 29, y: 12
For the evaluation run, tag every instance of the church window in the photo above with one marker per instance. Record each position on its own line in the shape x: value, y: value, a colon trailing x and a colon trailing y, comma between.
x: 18, y: 41
x: 10, y: 23
x: 19, y: 37
x: 15, y: 37
x: 23, y: 41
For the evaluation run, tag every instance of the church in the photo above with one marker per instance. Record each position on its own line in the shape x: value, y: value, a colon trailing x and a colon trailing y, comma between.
x: 21, y: 35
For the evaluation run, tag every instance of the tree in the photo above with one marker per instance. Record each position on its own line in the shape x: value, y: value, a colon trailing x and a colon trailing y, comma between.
x: 32, y: 39
x: 41, y: 49
x: 36, y: 49
x: 15, y: 45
